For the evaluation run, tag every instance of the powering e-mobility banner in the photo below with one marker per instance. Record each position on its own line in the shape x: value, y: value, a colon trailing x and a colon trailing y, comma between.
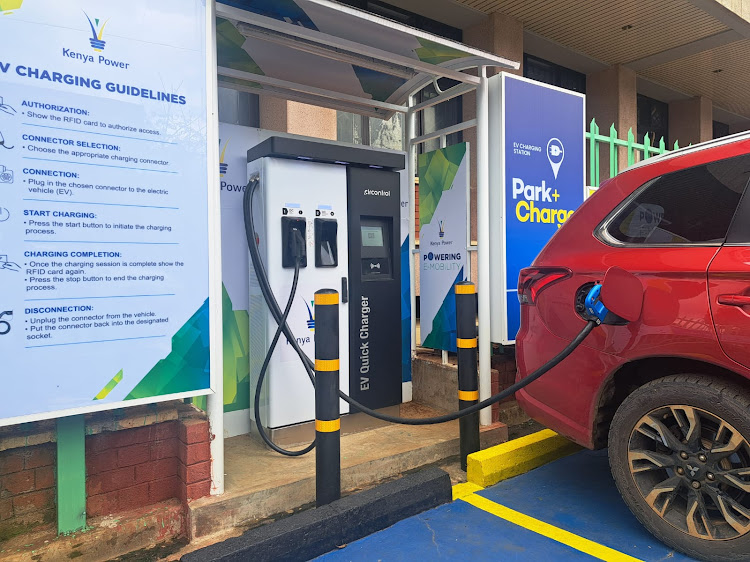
x: 443, y: 241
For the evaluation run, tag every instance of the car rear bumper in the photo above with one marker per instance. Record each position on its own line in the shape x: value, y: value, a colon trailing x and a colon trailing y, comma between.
x: 563, y: 399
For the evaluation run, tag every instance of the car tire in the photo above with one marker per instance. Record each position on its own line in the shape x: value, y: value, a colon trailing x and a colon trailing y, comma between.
x: 670, y: 458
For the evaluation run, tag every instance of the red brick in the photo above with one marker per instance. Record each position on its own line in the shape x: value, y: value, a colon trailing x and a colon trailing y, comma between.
x: 6, y: 509
x: 11, y: 461
x: 101, y: 462
x: 155, y: 470
x: 181, y: 471
x: 43, y: 455
x: 134, y: 454
x: 197, y: 472
x: 145, y: 472
x: 164, y: 489
x: 137, y: 496
x: 102, y: 504
x: 166, y: 430
x: 18, y: 482
x: 124, y: 438
x: 198, y: 490
x: 98, y: 443
x: 44, y: 477
x: 33, y: 501
x: 198, y: 452
x: 144, y: 434
x: 109, y: 481
x: 193, y: 431
x: 164, y: 449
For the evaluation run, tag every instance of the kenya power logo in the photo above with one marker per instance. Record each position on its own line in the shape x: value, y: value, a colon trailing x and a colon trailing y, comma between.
x: 97, y: 32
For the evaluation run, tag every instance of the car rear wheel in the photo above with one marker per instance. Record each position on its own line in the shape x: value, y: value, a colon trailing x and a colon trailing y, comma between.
x: 679, y: 449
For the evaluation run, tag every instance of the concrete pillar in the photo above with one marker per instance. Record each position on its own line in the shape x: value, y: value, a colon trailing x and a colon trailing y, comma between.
x: 297, y: 118
x: 503, y: 36
x: 691, y: 121
x: 611, y: 97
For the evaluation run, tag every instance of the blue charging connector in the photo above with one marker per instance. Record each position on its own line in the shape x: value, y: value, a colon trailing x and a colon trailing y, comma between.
x: 594, y: 306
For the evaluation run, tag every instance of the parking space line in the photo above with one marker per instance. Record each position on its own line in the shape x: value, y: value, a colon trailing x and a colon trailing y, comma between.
x: 545, y: 529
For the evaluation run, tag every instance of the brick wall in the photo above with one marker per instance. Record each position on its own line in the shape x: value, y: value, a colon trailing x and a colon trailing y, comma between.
x: 131, y: 468
x: 194, y: 462
x: 503, y: 375
x: 27, y: 488
x: 133, y: 460
x: 134, y: 468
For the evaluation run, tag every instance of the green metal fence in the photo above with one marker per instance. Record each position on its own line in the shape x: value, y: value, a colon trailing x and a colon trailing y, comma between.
x: 635, y: 151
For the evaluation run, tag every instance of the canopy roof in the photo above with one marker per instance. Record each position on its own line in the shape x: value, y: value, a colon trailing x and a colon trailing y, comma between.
x: 324, y: 53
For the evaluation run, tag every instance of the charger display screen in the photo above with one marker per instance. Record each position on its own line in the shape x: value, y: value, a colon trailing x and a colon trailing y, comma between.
x: 372, y: 236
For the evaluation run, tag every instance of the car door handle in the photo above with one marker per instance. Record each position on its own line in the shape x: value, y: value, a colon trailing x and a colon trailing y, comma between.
x: 735, y: 300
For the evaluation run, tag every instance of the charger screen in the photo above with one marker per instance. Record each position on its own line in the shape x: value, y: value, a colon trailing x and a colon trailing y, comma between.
x: 372, y: 236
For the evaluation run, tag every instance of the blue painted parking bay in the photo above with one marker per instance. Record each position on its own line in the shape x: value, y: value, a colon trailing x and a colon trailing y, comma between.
x: 567, y: 510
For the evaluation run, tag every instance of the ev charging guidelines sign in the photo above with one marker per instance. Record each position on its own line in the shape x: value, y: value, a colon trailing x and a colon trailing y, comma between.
x: 104, y: 172
x: 536, y: 182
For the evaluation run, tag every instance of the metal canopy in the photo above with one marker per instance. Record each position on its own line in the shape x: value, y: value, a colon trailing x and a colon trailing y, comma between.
x: 324, y: 53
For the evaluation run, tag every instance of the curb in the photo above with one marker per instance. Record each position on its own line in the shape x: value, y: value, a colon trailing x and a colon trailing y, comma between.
x: 504, y: 461
x: 313, y: 532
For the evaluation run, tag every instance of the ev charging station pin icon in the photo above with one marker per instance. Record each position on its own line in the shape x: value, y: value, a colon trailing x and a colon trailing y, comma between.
x: 555, y: 154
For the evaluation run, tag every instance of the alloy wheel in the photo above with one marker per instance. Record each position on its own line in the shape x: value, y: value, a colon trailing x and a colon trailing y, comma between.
x: 693, y: 469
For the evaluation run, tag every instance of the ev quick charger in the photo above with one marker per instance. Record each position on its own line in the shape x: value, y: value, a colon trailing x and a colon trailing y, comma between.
x: 346, y: 201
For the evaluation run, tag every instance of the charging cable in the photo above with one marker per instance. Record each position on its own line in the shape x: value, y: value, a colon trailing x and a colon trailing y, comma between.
x: 283, y: 327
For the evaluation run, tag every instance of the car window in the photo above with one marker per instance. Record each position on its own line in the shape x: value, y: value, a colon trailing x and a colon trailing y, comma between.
x: 691, y: 206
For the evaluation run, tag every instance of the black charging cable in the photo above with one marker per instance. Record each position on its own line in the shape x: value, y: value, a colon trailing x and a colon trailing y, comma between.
x: 309, y: 365
x: 298, y: 243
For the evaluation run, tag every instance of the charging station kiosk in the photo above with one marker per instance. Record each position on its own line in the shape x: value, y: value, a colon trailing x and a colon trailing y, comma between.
x: 345, y: 202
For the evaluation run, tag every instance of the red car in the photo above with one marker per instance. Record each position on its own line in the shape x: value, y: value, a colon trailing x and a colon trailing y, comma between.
x: 668, y: 394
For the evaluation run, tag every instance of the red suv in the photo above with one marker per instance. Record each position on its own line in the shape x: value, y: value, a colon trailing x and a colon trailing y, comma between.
x: 669, y: 394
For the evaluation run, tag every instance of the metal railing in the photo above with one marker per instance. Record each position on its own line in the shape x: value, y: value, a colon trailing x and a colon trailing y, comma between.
x: 635, y: 151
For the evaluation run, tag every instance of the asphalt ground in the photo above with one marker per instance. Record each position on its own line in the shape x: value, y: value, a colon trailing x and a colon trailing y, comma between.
x: 569, y: 509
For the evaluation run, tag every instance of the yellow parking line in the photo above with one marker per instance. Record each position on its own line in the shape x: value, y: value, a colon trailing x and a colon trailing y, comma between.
x: 545, y: 529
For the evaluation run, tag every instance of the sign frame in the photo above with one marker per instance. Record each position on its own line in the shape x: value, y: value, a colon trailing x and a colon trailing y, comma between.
x: 499, y: 290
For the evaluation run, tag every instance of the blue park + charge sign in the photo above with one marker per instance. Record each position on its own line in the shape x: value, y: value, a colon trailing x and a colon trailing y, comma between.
x: 543, y: 177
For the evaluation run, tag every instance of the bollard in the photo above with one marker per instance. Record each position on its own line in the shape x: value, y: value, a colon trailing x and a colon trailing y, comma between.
x: 468, y: 389
x: 327, y: 420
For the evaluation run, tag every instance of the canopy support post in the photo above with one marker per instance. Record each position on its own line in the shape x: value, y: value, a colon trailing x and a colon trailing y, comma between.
x: 411, y: 156
x: 483, y: 248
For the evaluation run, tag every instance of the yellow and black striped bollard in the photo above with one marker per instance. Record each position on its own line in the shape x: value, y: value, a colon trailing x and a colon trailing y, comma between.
x: 468, y: 383
x: 327, y: 420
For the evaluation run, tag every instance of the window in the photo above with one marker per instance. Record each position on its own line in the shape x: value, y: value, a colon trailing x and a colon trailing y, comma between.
x: 553, y: 74
x: 405, y: 17
x: 720, y: 129
x: 439, y: 116
x: 239, y: 108
x: 692, y: 206
x: 653, y: 120
x: 369, y: 131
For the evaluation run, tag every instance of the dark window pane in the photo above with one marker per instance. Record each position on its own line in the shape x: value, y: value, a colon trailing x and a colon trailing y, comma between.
x: 439, y: 116
x: 686, y: 207
x: 239, y: 108
x: 395, y: 13
x: 653, y: 119
x: 720, y: 129
x: 553, y: 74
